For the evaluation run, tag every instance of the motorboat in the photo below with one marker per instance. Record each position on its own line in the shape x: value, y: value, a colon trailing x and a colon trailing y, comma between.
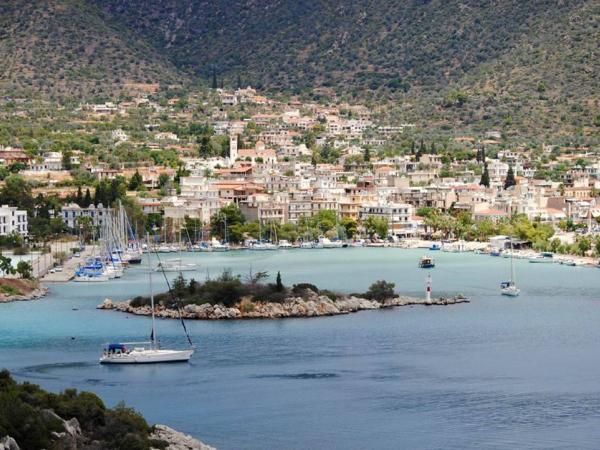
x: 307, y: 244
x: 220, y: 247
x: 435, y: 246
x: 91, y: 277
x: 284, y: 244
x: 175, y: 265
x: 358, y: 243
x: 542, y: 258
x: 328, y: 243
x: 426, y: 262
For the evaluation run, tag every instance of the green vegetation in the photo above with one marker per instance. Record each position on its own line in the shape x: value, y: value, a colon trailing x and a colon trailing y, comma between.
x: 380, y: 290
x: 508, y: 65
x: 9, y: 290
x: 23, y: 417
x: 461, y: 226
x: 227, y: 289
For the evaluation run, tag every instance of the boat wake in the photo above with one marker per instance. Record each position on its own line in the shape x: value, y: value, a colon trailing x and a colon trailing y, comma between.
x: 299, y: 376
x: 43, y: 371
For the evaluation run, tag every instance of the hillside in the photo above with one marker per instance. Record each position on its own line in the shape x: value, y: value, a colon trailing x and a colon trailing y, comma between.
x: 68, y: 47
x: 473, y: 64
x: 521, y: 65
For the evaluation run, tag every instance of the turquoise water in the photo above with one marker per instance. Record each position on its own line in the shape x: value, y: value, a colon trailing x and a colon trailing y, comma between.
x: 495, y: 373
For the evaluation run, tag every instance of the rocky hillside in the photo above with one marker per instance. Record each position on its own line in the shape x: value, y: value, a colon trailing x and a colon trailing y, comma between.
x: 508, y: 64
x: 505, y: 64
x: 71, y: 48
x: 31, y: 419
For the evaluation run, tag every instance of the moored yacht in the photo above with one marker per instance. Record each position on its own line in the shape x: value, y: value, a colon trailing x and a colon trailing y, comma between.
x: 145, y: 352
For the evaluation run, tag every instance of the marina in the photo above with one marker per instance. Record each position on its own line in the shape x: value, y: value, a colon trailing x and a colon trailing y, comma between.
x: 464, y: 374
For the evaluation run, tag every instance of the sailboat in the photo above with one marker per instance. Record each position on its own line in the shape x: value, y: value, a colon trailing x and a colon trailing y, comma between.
x: 144, y: 352
x: 509, y: 288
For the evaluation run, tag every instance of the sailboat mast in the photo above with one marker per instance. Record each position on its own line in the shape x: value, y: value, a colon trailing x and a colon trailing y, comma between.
x: 153, y: 336
x: 512, y: 263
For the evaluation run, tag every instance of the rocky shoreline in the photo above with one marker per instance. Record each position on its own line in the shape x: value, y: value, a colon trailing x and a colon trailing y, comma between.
x: 27, y: 293
x: 311, y: 306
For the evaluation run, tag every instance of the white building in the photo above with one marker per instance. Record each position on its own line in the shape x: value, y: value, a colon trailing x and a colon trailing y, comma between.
x: 50, y: 161
x: 71, y: 212
x: 398, y: 215
x: 12, y: 220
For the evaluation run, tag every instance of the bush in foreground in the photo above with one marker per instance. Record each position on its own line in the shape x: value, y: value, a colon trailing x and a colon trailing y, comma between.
x: 22, y: 417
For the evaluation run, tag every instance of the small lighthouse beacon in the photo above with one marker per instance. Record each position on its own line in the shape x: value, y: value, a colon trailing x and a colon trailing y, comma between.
x: 428, y: 290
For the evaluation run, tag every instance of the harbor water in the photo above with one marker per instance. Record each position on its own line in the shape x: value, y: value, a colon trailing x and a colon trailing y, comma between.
x: 495, y: 373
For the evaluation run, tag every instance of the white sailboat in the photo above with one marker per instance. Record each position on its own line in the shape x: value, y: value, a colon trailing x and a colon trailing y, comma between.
x: 509, y: 288
x: 144, y: 352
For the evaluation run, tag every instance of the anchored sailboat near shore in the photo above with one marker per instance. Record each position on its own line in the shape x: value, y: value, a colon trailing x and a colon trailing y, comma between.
x: 509, y: 288
x: 149, y: 351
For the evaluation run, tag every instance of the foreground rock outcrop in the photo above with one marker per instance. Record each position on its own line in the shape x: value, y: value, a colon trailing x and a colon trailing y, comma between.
x: 313, y: 305
x: 177, y: 440
x: 15, y: 290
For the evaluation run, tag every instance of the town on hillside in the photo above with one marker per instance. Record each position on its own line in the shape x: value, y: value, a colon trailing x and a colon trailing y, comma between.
x: 239, y: 166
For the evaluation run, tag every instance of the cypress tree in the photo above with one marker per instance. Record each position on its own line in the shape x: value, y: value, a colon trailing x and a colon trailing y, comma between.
x: 510, y: 178
x: 412, y: 147
x: 214, y: 78
x: 79, y: 198
x: 485, y: 177
x: 278, y: 283
x: 367, y: 156
x: 87, y: 200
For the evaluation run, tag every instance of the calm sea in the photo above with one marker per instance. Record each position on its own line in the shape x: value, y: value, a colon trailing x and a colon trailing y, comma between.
x: 493, y: 374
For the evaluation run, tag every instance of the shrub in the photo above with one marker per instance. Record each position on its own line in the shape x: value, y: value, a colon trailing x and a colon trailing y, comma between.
x: 380, y: 291
x: 138, y: 301
x: 10, y: 290
x: 300, y: 288
x: 330, y: 294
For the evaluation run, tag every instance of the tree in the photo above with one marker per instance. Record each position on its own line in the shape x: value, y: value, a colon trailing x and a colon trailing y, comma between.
x: 25, y: 270
x: 485, y: 177
x: 6, y: 265
x: 367, y: 155
x: 135, y: 182
x: 214, y: 79
x: 350, y: 226
x: 17, y: 192
x: 227, y: 223
x: 278, y: 283
x: 381, y: 290
x: 510, y: 178
x: 86, y: 226
x: 87, y: 199
x: 376, y: 226
x: 79, y: 197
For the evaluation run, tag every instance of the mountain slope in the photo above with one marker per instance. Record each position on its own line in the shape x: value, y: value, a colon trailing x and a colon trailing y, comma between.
x: 68, y: 47
x: 370, y: 44
x: 520, y: 65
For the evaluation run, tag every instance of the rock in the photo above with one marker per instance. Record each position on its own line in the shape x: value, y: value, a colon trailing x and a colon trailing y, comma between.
x: 177, y: 440
x: 106, y: 304
x: 8, y: 443
x: 67, y: 439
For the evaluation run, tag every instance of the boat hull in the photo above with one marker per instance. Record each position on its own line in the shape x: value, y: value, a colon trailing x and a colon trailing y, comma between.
x: 148, y: 357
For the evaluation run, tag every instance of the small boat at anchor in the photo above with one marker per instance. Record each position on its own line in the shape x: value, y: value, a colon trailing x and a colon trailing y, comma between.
x: 509, y: 288
x: 426, y: 262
